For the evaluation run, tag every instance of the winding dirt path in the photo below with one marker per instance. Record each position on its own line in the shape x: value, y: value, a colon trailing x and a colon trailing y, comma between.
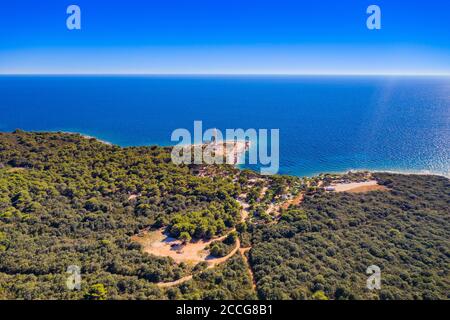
x: 243, y: 251
x: 297, y: 200
x: 174, y: 283
x: 211, y: 264
x: 215, y: 261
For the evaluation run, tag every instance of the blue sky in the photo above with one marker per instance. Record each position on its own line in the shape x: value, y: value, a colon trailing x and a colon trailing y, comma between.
x: 225, y: 36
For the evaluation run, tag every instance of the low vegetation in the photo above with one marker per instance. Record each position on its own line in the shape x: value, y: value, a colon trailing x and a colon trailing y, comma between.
x: 68, y: 200
x: 222, y: 248
x: 323, y: 248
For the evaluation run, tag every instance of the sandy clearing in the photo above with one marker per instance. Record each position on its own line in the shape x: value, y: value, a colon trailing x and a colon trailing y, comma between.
x: 132, y: 197
x: 212, y: 262
x: 271, y: 208
x: 16, y: 169
x: 263, y: 192
x: 295, y: 201
x: 231, y: 151
x: 244, y: 211
x: 368, y: 188
x: 358, y: 186
x: 160, y: 244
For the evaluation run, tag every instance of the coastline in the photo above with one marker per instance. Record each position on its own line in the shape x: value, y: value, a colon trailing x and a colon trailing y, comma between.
x: 86, y: 136
x: 420, y: 172
x: 185, y: 232
x: 411, y: 172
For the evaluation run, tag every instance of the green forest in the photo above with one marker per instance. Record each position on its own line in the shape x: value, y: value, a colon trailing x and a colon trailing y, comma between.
x: 325, y: 246
x: 69, y: 200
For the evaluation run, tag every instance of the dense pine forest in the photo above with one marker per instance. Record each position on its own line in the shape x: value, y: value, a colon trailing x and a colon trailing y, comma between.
x: 327, y: 246
x: 70, y: 200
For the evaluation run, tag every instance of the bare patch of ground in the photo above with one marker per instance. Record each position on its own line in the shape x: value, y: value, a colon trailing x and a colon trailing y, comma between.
x: 244, y: 211
x: 294, y: 201
x: 212, y: 262
x: 160, y: 244
x: 174, y: 283
x: 358, y: 187
x: 363, y: 189
x: 243, y: 252
x: 132, y: 197
x: 275, y: 209
x: 16, y: 169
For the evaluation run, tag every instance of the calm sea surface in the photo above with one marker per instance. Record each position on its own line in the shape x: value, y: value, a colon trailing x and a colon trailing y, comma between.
x: 327, y: 124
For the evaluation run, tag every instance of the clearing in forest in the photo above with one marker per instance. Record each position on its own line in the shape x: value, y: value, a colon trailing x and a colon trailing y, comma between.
x: 161, y: 244
x: 357, y: 187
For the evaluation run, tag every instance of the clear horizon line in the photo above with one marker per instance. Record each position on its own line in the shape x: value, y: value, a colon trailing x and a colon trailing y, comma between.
x: 409, y: 74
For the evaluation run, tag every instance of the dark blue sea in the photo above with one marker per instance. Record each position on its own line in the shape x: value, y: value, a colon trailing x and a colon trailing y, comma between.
x: 327, y: 124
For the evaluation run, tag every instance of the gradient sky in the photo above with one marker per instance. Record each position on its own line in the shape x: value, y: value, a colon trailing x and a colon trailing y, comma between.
x: 225, y: 36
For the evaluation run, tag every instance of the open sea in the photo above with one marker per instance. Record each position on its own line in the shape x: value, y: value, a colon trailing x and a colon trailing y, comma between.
x: 327, y: 124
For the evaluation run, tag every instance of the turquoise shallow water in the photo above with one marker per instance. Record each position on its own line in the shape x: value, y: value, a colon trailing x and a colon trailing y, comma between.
x: 327, y: 124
